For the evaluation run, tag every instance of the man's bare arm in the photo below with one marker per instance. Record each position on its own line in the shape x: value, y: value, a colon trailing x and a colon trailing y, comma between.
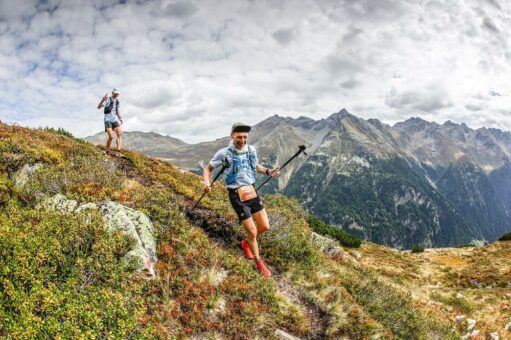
x: 206, y: 174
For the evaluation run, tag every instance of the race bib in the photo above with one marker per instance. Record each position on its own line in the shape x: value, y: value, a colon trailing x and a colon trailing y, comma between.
x: 247, y: 192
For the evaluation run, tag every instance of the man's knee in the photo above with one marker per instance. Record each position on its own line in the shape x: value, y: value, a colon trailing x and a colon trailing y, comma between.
x: 251, y: 229
x: 110, y: 136
x: 263, y: 228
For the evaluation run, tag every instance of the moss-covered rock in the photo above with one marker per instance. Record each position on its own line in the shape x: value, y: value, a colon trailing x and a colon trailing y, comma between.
x: 117, y: 217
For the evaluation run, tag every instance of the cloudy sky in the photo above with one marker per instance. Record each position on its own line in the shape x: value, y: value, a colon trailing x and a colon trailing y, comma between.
x: 189, y: 69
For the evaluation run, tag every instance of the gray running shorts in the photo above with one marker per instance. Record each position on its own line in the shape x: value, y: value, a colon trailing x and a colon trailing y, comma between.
x: 112, y: 125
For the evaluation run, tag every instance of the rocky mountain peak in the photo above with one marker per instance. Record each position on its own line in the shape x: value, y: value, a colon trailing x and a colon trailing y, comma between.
x: 414, y: 125
x: 449, y: 123
x: 337, y: 116
x: 269, y: 123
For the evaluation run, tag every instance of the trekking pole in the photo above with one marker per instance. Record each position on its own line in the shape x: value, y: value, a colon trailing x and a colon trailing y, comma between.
x: 301, y: 149
x: 225, y: 165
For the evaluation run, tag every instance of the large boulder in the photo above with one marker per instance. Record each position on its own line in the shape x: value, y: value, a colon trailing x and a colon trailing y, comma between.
x: 117, y: 217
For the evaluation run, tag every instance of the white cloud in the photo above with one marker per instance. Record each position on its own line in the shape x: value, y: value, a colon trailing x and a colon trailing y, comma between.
x: 191, y: 68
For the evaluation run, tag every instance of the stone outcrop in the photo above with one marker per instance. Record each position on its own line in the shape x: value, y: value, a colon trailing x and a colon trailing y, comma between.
x: 117, y: 217
x: 328, y: 246
x: 21, y: 177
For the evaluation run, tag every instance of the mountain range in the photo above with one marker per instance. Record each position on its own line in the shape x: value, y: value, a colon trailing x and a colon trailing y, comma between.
x: 416, y: 182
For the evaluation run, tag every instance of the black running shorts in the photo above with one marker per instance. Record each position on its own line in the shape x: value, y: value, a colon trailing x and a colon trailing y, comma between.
x: 244, y: 209
x: 111, y: 125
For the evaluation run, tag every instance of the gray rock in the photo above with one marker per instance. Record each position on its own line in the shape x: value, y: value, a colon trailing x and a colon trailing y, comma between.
x: 328, y: 246
x: 280, y: 334
x: 471, y: 324
x: 356, y: 255
x: 59, y: 202
x: 460, y: 317
x: 21, y: 177
x: 117, y: 217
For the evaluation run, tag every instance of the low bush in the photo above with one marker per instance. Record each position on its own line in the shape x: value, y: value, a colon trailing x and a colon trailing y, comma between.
x: 63, y: 277
x: 505, y: 237
x: 288, y: 240
x: 324, y: 229
x: 84, y: 176
x: 417, y: 248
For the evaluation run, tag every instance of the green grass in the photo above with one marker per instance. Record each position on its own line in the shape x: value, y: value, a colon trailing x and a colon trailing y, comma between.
x: 392, y: 308
x: 461, y: 304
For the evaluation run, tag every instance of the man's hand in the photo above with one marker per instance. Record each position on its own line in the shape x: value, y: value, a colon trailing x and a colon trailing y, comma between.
x: 120, y: 119
x: 207, y: 186
x: 105, y: 97
x: 275, y: 172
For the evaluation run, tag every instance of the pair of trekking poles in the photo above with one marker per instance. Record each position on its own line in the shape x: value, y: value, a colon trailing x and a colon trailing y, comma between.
x: 225, y: 165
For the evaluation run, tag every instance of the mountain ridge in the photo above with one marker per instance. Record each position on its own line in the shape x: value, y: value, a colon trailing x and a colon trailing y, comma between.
x: 384, y: 158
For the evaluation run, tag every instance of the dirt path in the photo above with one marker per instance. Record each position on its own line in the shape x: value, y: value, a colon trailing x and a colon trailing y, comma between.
x: 222, y: 233
x: 318, y: 318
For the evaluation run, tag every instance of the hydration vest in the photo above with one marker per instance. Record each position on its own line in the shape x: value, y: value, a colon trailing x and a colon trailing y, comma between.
x: 110, y: 106
x: 237, y: 164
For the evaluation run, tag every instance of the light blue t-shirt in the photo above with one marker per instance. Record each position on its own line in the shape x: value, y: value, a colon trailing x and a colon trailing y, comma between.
x: 245, y: 175
x: 112, y: 116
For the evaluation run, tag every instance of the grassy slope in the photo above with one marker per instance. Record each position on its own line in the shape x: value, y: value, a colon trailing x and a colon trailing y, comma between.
x: 474, y: 282
x: 346, y: 298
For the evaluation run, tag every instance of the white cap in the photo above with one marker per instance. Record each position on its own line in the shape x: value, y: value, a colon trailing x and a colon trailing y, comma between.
x: 115, y: 90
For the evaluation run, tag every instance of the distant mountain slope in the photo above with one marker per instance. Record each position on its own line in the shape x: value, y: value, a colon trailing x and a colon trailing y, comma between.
x: 439, y: 145
x: 149, y: 143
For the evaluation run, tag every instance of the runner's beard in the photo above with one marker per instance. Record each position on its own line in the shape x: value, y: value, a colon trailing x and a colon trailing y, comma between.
x: 239, y: 144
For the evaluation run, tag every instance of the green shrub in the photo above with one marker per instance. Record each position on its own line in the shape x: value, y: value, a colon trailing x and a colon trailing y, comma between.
x: 84, y: 176
x: 63, y: 276
x: 324, y: 229
x: 466, y: 245
x: 288, y: 241
x: 63, y: 132
x: 417, y: 248
x: 505, y: 237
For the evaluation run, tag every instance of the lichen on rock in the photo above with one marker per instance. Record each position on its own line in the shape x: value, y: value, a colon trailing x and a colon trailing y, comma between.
x: 117, y: 217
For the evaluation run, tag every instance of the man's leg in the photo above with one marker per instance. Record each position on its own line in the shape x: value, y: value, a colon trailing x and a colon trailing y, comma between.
x: 118, y: 141
x: 110, y: 138
x: 252, y: 232
x: 261, y: 219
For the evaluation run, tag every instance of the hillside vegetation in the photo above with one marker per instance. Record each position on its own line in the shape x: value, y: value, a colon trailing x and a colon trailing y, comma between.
x: 64, y: 274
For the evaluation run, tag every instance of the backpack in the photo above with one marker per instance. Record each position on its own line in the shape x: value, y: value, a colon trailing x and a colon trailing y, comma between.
x: 108, y: 108
x: 235, y: 162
